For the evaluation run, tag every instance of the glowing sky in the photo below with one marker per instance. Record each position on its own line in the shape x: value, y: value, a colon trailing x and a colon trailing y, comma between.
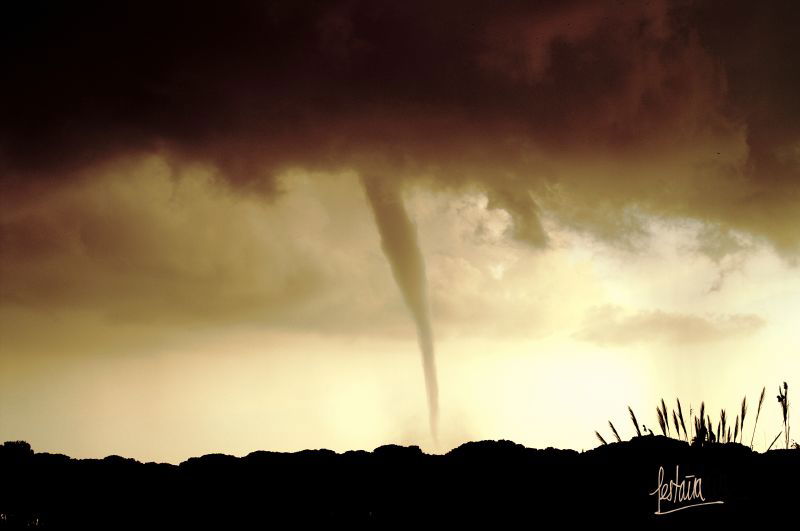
x: 606, y: 198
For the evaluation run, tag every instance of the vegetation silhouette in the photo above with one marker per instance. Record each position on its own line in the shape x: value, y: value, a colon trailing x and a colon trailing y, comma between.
x: 487, y: 483
x: 492, y: 483
x: 703, y: 429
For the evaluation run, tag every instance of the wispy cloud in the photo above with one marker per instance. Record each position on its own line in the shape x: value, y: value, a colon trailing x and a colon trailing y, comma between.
x: 612, y: 325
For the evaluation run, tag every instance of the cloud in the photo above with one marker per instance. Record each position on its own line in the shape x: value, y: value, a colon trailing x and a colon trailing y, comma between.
x: 577, y: 109
x: 612, y: 326
x: 142, y: 247
x: 141, y: 242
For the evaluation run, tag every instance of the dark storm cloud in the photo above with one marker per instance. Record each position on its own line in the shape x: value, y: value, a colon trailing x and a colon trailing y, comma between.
x: 657, y: 97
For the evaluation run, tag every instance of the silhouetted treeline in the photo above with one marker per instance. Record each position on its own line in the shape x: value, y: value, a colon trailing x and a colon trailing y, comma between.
x: 488, y: 482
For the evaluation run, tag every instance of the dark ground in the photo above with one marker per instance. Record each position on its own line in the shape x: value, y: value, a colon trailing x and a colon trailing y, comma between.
x: 495, y: 483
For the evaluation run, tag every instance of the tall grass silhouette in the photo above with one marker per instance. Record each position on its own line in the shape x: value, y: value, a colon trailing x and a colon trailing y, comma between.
x: 600, y: 437
x: 744, y: 414
x: 773, y: 440
x: 758, y: 413
x: 675, y: 423
x: 784, y: 402
x: 704, y: 430
x: 635, y: 422
x: 680, y: 416
x: 614, y: 431
x: 663, y: 418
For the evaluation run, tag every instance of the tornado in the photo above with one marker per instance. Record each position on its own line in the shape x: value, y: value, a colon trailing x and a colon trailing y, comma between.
x: 399, y: 243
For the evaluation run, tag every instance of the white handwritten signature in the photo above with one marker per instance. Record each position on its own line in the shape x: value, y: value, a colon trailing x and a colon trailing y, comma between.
x: 680, y: 493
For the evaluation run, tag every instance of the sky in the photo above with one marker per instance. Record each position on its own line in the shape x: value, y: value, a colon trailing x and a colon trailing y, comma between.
x: 289, y: 225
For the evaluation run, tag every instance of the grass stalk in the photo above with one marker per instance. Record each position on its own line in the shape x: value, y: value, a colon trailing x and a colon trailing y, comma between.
x: 680, y: 416
x: 744, y: 414
x: 783, y: 398
x: 758, y: 413
x: 614, y: 430
x: 773, y: 440
x: 635, y: 422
